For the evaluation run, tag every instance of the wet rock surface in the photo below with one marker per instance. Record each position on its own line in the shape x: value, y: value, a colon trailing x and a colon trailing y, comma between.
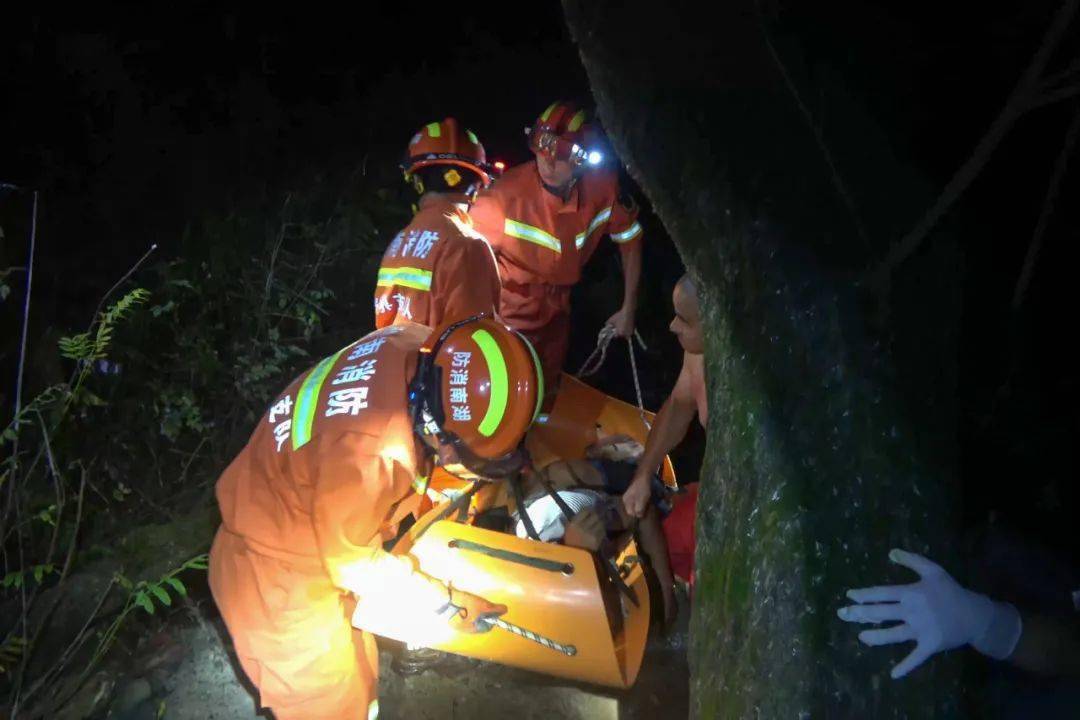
x: 186, y: 672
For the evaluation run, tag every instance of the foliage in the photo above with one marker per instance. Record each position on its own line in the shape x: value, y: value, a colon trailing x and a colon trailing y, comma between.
x: 162, y: 387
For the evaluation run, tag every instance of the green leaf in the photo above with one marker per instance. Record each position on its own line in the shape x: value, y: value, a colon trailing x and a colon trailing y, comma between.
x: 39, y: 572
x: 12, y: 577
x: 177, y: 586
x: 124, y: 582
x: 197, y: 563
x: 143, y: 601
x: 161, y: 594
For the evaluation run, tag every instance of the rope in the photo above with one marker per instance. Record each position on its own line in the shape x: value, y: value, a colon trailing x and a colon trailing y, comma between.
x: 568, y: 650
x: 599, y: 354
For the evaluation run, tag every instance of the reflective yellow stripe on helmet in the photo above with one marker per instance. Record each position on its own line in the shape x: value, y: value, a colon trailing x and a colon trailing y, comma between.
x: 576, y: 122
x: 498, y: 395
x: 434, y: 129
x: 547, y: 113
x: 535, y: 235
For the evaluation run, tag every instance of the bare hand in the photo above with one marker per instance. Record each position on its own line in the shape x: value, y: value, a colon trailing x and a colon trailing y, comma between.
x: 623, y: 322
x: 637, y: 497
x: 585, y: 531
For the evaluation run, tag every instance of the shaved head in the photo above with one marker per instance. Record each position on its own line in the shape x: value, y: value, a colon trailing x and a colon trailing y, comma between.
x: 687, y: 322
x: 688, y: 286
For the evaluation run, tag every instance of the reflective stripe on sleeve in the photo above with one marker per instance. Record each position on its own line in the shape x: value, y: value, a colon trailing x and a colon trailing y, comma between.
x: 601, y: 217
x: 627, y: 235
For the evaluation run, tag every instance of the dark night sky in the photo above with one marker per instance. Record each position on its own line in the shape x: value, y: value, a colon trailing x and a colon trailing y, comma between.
x: 131, y: 120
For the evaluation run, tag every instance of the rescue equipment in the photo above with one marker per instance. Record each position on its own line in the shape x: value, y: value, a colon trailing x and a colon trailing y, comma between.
x: 557, y: 597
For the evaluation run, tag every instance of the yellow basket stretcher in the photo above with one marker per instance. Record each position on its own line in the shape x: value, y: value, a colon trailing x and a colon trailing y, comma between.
x: 565, y: 616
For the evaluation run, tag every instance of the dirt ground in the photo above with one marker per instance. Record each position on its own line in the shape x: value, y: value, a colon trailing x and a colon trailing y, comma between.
x: 186, y: 673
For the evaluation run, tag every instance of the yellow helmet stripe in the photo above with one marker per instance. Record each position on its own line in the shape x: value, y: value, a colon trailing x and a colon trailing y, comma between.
x: 500, y: 382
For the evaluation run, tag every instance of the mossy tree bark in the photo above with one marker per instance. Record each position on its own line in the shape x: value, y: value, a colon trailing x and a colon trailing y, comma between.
x: 832, y: 415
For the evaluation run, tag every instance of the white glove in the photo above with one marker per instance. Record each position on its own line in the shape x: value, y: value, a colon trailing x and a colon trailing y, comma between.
x: 936, y: 612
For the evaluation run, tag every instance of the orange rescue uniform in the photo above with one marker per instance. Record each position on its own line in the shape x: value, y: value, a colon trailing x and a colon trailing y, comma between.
x: 436, y: 270
x: 542, y: 242
x: 324, y: 480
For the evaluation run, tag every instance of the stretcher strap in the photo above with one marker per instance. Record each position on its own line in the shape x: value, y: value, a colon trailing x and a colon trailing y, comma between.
x: 605, y: 559
x: 461, y: 501
x: 511, y: 556
x: 519, y: 501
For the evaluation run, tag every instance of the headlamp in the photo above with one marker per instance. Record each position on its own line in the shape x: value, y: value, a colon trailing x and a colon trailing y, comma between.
x: 547, y: 142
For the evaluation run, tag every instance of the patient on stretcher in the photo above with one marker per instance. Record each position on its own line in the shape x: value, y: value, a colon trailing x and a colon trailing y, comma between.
x: 589, y: 490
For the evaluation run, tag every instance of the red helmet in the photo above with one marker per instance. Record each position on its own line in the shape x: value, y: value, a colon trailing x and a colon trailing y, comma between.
x: 478, y: 388
x: 446, y: 143
x: 563, y: 132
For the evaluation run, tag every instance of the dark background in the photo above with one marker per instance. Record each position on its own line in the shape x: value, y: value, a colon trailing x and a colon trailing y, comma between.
x: 133, y: 122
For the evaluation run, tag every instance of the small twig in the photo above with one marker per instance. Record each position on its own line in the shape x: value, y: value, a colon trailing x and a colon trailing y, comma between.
x: 25, y: 332
x: 1018, y: 103
x: 131, y: 271
x: 274, y: 254
x: 183, y: 472
x: 1047, y: 211
x: 64, y: 572
x: 1063, y: 93
x: 1066, y: 75
x: 72, y: 648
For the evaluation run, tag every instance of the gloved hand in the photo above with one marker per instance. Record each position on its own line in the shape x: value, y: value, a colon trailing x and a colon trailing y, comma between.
x: 936, y: 612
x: 467, y: 612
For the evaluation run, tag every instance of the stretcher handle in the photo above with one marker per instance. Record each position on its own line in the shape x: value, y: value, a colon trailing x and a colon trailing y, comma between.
x: 510, y: 556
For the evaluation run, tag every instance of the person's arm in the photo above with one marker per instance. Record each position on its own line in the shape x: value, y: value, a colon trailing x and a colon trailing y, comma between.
x: 625, y: 231
x: 623, y: 319
x: 1048, y: 646
x: 353, y: 495
x: 668, y: 430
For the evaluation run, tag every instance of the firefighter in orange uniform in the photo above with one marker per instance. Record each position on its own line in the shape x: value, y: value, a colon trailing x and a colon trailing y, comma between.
x: 439, y: 269
x: 325, y: 479
x: 545, y: 220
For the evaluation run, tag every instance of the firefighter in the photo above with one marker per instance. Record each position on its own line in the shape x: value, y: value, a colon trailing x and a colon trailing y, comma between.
x: 545, y: 219
x: 439, y: 269
x: 325, y: 479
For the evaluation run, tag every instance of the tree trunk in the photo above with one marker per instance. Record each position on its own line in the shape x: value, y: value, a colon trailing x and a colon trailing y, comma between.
x: 832, y: 423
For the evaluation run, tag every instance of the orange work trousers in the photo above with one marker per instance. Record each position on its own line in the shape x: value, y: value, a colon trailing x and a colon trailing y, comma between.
x: 291, y: 630
x: 542, y: 314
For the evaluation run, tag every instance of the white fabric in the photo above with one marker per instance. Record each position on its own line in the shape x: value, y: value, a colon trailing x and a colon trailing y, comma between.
x: 936, y: 612
x: 548, y: 519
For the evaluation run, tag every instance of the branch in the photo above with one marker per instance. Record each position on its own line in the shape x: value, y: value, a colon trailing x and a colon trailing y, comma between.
x: 1062, y: 93
x: 1047, y: 210
x: 1019, y: 101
